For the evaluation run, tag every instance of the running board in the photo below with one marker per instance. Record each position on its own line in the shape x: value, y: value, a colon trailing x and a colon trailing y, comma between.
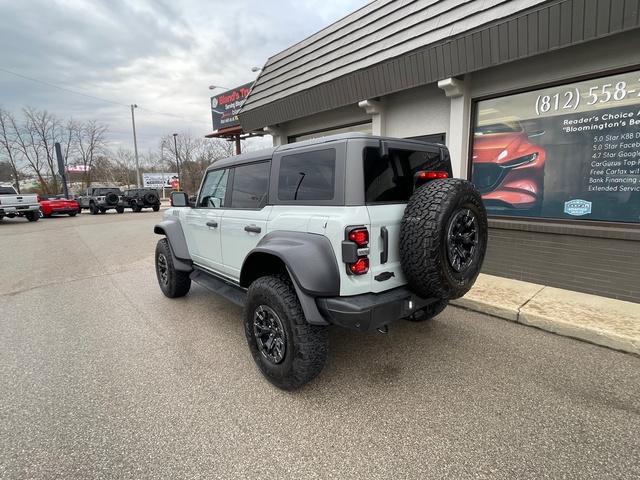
x: 234, y: 293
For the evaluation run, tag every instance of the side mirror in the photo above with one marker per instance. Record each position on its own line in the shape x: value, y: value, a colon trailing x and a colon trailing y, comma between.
x: 179, y: 199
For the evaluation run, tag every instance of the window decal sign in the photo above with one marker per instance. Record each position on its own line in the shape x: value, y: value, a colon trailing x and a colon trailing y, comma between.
x: 577, y: 207
x: 562, y: 152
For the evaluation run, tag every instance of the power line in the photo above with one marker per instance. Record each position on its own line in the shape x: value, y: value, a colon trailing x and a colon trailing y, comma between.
x: 75, y: 92
x: 62, y: 88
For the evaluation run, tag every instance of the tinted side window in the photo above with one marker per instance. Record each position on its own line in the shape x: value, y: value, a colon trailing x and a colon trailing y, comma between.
x: 250, y: 185
x: 307, y: 176
x: 214, y: 189
x: 390, y: 178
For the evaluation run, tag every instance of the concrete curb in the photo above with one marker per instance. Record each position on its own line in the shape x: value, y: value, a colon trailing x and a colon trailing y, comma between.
x: 599, y: 320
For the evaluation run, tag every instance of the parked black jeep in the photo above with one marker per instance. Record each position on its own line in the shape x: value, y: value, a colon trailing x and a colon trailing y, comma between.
x: 139, y: 198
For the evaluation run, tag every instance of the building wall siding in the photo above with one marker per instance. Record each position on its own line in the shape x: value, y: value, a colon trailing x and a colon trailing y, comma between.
x: 418, y: 111
x: 609, y: 267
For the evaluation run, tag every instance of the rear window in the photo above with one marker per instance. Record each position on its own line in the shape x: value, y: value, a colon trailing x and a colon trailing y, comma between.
x: 7, y: 191
x: 389, y: 178
x: 307, y: 176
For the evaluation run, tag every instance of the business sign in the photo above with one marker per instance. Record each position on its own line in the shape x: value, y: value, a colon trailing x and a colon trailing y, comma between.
x: 225, y: 107
x: 77, y: 168
x: 160, y: 180
x: 571, y: 151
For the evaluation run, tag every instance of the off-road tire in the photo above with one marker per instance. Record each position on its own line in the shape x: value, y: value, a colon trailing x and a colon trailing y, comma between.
x: 93, y: 208
x: 424, y: 236
x: 150, y: 198
x: 111, y: 199
x: 32, y: 216
x: 120, y: 209
x: 429, y: 312
x: 306, y: 345
x: 156, y: 208
x: 178, y: 283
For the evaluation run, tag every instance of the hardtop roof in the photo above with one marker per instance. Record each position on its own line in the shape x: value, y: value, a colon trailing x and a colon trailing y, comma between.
x: 267, y: 153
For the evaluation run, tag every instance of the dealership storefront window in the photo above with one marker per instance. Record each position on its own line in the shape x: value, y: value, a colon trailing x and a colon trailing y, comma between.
x: 565, y: 152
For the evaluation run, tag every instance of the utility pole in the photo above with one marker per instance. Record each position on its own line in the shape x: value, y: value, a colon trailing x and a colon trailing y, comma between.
x: 135, y: 144
x: 175, y: 146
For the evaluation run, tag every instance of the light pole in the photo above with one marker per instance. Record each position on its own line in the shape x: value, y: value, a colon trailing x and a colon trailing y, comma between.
x: 213, y: 87
x: 135, y: 143
x: 175, y: 146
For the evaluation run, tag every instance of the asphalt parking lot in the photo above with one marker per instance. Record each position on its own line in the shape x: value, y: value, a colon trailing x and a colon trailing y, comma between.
x: 101, y: 376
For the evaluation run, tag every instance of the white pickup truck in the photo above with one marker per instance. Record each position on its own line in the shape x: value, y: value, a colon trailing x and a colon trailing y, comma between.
x: 14, y: 205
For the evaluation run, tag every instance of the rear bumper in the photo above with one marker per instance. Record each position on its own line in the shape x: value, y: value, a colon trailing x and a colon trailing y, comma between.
x: 371, y: 310
x: 65, y: 210
x: 11, y: 210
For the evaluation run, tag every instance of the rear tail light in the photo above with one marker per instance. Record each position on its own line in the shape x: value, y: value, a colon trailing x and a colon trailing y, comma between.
x: 360, y: 267
x: 360, y: 236
x: 355, y: 251
x: 431, y: 175
x: 38, y: 198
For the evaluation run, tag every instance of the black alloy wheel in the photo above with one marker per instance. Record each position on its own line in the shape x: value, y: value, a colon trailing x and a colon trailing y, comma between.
x: 462, y: 239
x: 173, y: 283
x: 443, y: 238
x: 270, y: 334
x: 163, y: 269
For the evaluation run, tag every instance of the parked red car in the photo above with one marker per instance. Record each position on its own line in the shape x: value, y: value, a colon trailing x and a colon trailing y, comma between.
x: 508, y: 168
x: 55, y: 205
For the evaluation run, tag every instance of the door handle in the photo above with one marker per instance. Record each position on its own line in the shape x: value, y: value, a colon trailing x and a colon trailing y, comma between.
x: 384, y: 255
x: 252, y: 229
x: 212, y: 224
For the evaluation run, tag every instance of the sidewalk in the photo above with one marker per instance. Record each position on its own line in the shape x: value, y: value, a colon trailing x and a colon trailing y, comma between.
x: 600, y: 320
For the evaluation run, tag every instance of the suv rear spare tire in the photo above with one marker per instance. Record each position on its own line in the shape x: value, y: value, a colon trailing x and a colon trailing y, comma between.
x: 111, y: 199
x: 151, y: 197
x: 443, y: 238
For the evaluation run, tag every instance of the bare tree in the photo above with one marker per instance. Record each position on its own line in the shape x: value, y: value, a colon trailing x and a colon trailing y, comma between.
x: 124, y: 167
x: 8, y: 145
x: 68, y: 140
x: 43, y: 128
x: 195, y: 155
x: 30, y: 149
x: 90, y: 142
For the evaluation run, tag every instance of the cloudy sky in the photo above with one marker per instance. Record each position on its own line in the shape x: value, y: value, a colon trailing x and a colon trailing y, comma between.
x: 161, y: 55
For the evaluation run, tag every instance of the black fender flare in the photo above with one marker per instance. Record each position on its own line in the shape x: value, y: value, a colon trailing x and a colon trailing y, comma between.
x: 310, y: 262
x: 172, y: 229
x: 309, y: 258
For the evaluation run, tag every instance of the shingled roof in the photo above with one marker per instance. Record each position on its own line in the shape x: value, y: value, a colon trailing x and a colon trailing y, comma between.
x: 391, y: 45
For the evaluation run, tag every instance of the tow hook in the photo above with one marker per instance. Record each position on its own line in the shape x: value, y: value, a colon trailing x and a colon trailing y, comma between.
x: 384, y: 329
